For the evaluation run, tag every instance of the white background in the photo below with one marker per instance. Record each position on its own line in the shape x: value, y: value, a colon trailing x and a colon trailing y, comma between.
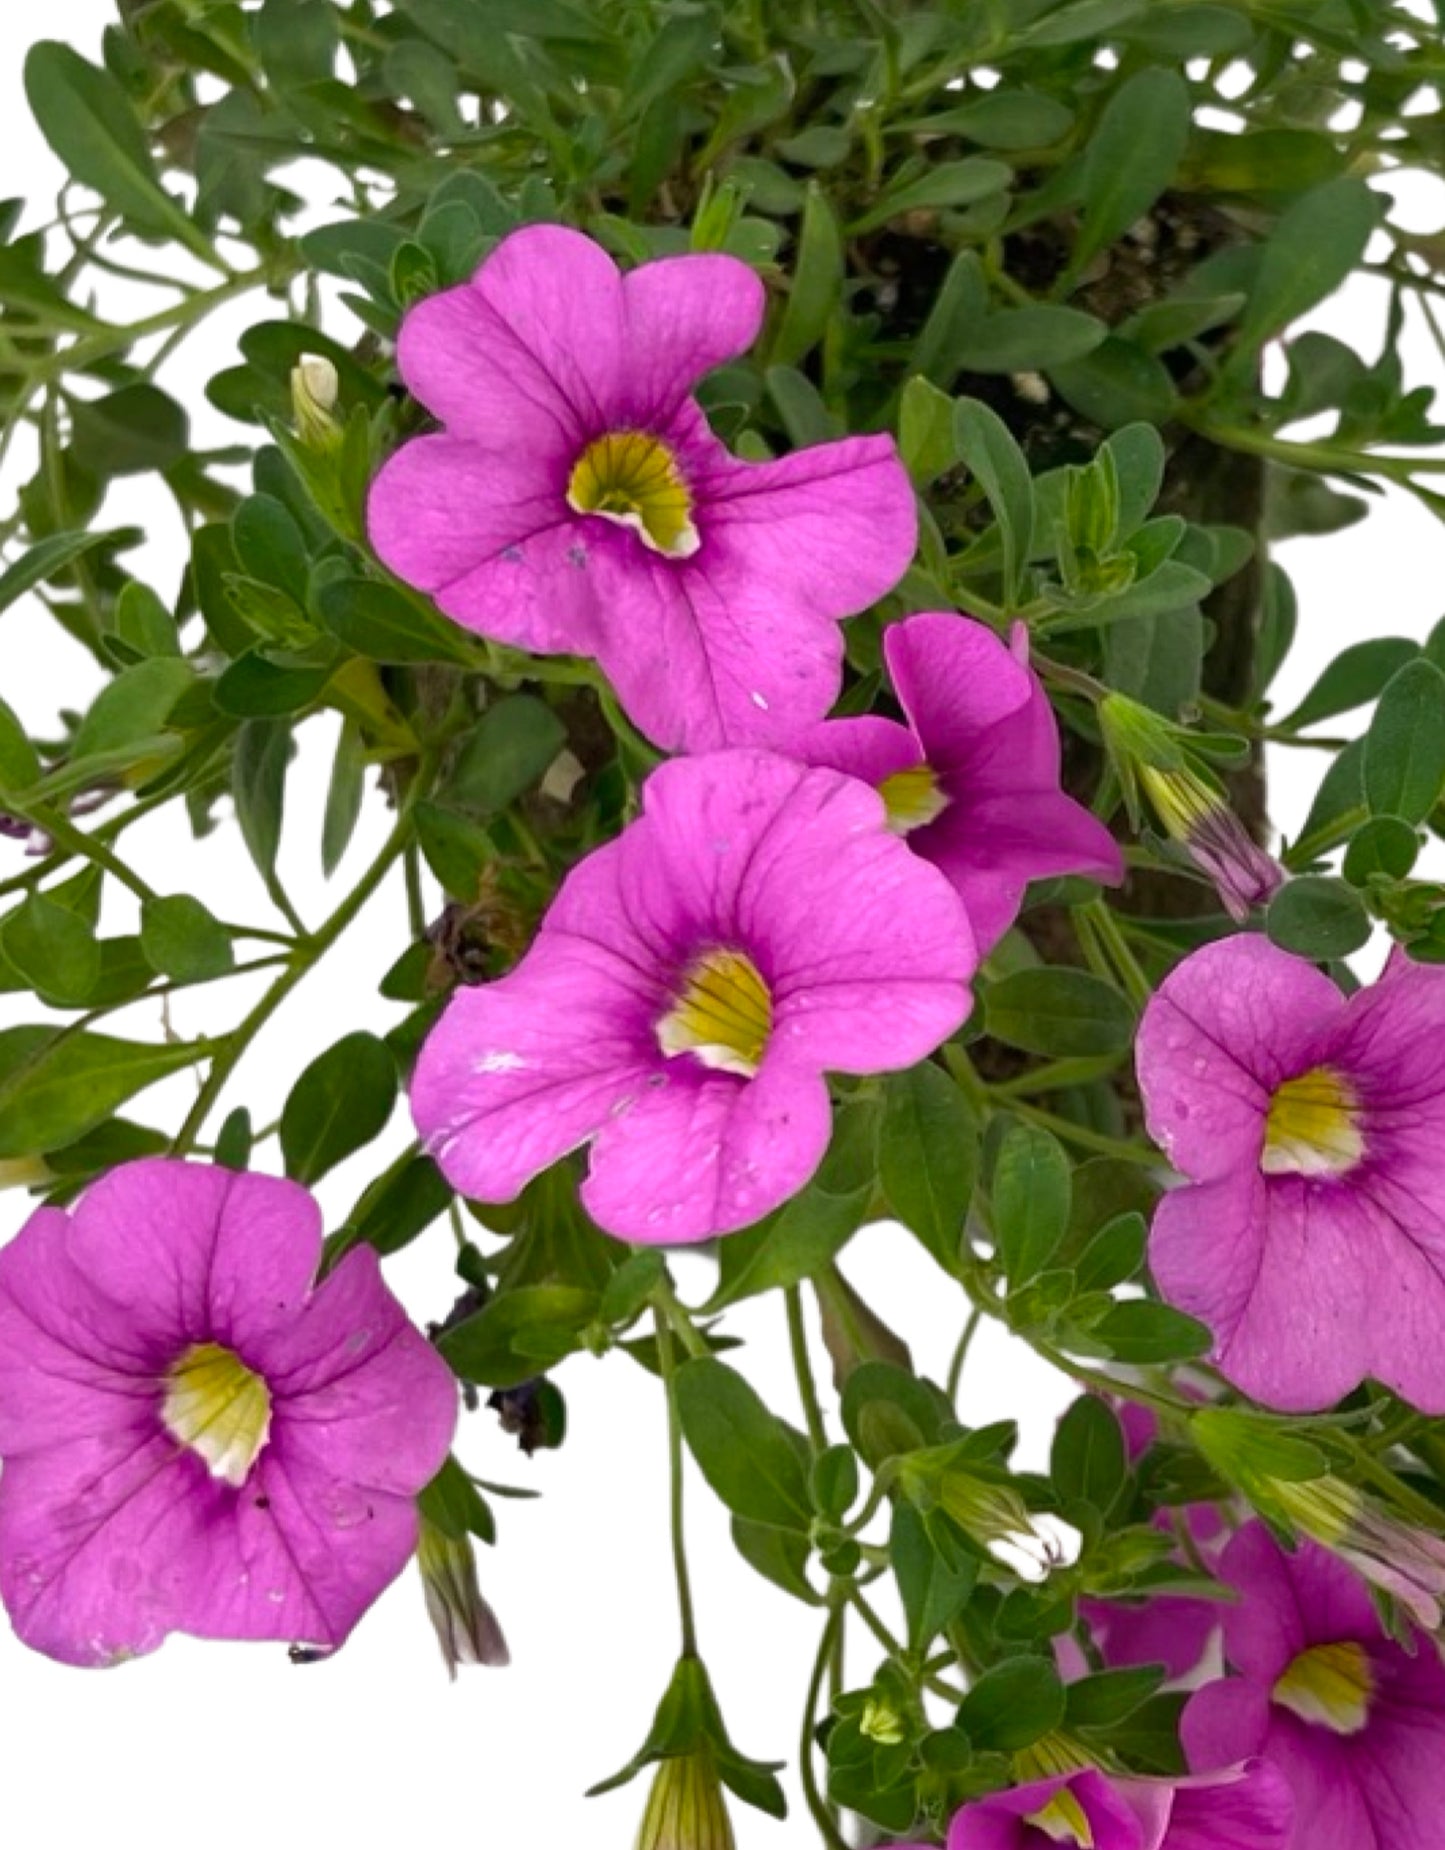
x: 231, y: 1745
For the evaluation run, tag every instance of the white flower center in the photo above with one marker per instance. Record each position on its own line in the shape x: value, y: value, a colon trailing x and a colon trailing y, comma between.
x: 1330, y: 1684
x: 723, y: 1016
x: 219, y: 1408
x: 1313, y: 1128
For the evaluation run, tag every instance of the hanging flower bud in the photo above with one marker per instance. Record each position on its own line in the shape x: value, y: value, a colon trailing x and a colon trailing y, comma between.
x: 686, y: 1809
x: 1191, y: 806
x: 465, y: 1625
x: 314, y: 389
x: 985, y: 1504
x: 1404, y: 1561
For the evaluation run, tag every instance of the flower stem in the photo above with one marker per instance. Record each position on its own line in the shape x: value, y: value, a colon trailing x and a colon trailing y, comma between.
x: 803, y: 1369
x: 667, y: 1362
x: 823, y: 1815
x: 960, y: 1354
x: 308, y: 951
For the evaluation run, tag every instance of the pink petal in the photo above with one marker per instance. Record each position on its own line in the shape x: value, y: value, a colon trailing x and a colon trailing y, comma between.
x: 359, y: 1394
x: 518, y: 1072
x: 830, y: 529
x: 1282, y: 1272
x: 866, y: 949
x: 1224, y: 1723
x: 1289, y: 1602
x: 708, y: 652
x: 195, y: 1252
x: 991, y: 847
x: 957, y: 680
x: 869, y: 747
x: 100, y: 1537
x: 685, y: 315
x: 68, y: 1364
x: 1223, y: 1031
x: 705, y: 1153
x: 491, y: 537
x: 1244, y: 1808
x: 534, y: 340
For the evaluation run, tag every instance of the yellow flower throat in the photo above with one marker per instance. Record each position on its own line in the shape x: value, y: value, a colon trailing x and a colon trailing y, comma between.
x: 633, y: 479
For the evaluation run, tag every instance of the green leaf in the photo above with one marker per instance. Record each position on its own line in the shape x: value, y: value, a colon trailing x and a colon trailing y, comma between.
x: 1140, y: 1331
x: 1318, y: 242
x: 343, y: 796
x: 887, y: 1412
x: 941, y: 350
x: 675, y: 52
x: 258, y: 784
x: 386, y: 625
x: 934, y: 1570
x: 128, y: 431
x: 88, y: 120
x: 49, y: 556
x: 950, y: 184
x: 342, y: 1100
x: 1356, y: 676
x: 928, y: 1157
x: 1132, y: 156
x: 1089, y: 1463
x: 55, y: 1086
x: 1008, y: 120
x: 743, y: 1451
x: 134, y: 708
x: 1031, y: 339
x: 1118, y: 383
x: 817, y: 282
x: 507, y: 1341
x: 181, y: 939
x: 1013, y: 1704
x: 1109, y: 1696
x: 1032, y: 1190
x: 507, y: 751
x: 788, y: 1246
x: 1385, y: 845
x: 1053, y: 1010
x: 297, y: 40
x: 926, y: 439
x: 53, y: 949
x: 779, y: 1555
x: 19, y: 761
x: 398, y: 1206
x: 255, y: 687
x: 142, y: 620
x: 456, y: 850
x: 1405, y: 746
x: 1317, y: 917
x: 234, y: 1140
x: 987, y: 446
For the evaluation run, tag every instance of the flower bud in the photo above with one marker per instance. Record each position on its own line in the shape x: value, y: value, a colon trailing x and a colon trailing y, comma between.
x: 465, y: 1625
x: 1190, y: 805
x: 25, y: 1172
x: 685, y: 1809
x: 314, y: 389
x: 1401, y: 1560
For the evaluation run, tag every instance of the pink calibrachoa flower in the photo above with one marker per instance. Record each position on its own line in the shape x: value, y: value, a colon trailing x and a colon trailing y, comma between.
x: 577, y: 501
x: 1312, y: 1237
x: 972, y: 780
x: 691, y: 983
x: 194, y: 1438
x: 1246, y: 1807
x: 1355, y: 1722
